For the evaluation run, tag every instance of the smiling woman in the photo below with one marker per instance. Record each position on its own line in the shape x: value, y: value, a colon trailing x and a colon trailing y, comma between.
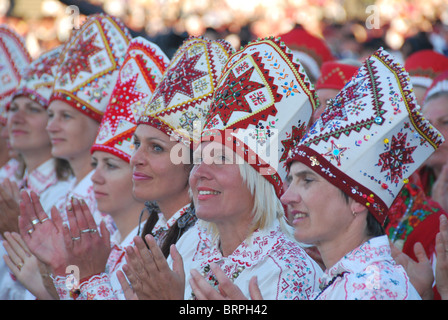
x: 46, y: 176
x: 347, y: 229
x: 235, y: 182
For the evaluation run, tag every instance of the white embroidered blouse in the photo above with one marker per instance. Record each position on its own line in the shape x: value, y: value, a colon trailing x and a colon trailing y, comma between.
x: 105, y: 286
x: 44, y: 182
x: 367, y: 273
x: 284, y: 270
x: 9, y: 170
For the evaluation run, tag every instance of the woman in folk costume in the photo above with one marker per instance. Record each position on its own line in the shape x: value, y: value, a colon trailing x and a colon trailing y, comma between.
x: 142, y: 70
x: 424, y: 67
x: 197, y: 60
x: 86, y: 75
x: 27, y: 120
x: 415, y: 217
x: 14, y: 58
x: 436, y: 111
x: 262, y: 104
x: 346, y: 173
x: 165, y: 137
x: 46, y: 176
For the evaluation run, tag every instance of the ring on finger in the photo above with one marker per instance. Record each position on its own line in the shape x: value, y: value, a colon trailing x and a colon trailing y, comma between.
x: 88, y: 230
x: 35, y: 221
x: 30, y: 231
x: 43, y: 220
x: 19, y: 266
x: 76, y: 238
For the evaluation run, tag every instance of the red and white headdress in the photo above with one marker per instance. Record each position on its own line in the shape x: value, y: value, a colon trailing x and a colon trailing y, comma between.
x: 14, y: 58
x: 262, y: 106
x: 334, y: 75
x: 38, y: 79
x: 312, y: 51
x: 89, y: 65
x: 424, y: 66
x: 372, y: 137
x: 185, y: 93
x: 438, y: 85
x: 142, y: 70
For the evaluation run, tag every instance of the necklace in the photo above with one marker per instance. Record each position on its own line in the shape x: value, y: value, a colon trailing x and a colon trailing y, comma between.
x: 323, y: 288
x: 211, y: 278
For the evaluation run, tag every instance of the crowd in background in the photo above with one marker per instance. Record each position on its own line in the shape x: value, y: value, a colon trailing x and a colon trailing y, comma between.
x: 95, y: 186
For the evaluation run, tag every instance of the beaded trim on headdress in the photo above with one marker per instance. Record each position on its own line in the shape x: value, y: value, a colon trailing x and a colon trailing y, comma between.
x: 183, y: 97
x: 262, y: 105
x: 38, y: 79
x: 373, y: 136
x: 14, y: 58
x: 89, y: 65
x: 141, y: 72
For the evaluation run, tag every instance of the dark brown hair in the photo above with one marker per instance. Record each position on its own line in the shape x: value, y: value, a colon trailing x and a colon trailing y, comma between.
x: 177, y: 230
x: 374, y: 228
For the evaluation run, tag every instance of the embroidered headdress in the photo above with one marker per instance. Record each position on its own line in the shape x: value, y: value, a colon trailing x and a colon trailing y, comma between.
x: 372, y: 137
x: 38, y: 79
x: 143, y: 68
x: 184, y: 95
x: 425, y: 65
x: 14, y: 58
x: 334, y: 75
x: 89, y: 65
x: 312, y: 51
x: 439, y: 84
x: 262, y: 105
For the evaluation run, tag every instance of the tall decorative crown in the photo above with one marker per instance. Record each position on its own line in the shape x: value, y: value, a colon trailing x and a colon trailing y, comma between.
x: 372, y: 137
x: 262, y: 106
x: 14, y: 58
x: 89, y: 65
x: 141, y: 72
x: 185, y: 93
x: 38, y: 79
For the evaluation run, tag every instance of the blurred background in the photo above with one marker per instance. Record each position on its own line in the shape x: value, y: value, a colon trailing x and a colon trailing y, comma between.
x: 352, y: 28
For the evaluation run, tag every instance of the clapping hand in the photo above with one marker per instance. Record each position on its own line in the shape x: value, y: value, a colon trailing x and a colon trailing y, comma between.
x: 43, y: 236
x: 149, y: 273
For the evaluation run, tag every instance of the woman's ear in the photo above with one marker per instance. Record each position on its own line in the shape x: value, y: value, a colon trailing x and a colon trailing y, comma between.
x: 357, y: 208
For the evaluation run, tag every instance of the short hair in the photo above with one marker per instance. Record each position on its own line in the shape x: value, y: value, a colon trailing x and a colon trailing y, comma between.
x: 267, y: 206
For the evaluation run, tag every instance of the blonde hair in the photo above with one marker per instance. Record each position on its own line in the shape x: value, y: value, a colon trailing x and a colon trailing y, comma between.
x: 267, y: 207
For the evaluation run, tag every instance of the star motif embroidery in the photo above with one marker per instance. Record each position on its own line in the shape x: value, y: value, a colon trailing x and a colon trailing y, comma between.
x: 230, y: 97
x: 44, y: 66
x: 336, y: 152
x: 396, y: 157
x: 125, y: 95
x: 180, y: 78
x: 80, y: 60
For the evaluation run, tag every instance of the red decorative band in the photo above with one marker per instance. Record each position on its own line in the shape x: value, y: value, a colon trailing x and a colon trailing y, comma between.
x: 339, y: 179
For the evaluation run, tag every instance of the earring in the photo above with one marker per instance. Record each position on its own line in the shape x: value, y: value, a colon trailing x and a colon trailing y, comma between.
x: 354, y: 213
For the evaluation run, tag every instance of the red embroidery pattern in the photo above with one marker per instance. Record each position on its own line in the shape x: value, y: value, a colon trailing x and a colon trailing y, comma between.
x: 80, y: 61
